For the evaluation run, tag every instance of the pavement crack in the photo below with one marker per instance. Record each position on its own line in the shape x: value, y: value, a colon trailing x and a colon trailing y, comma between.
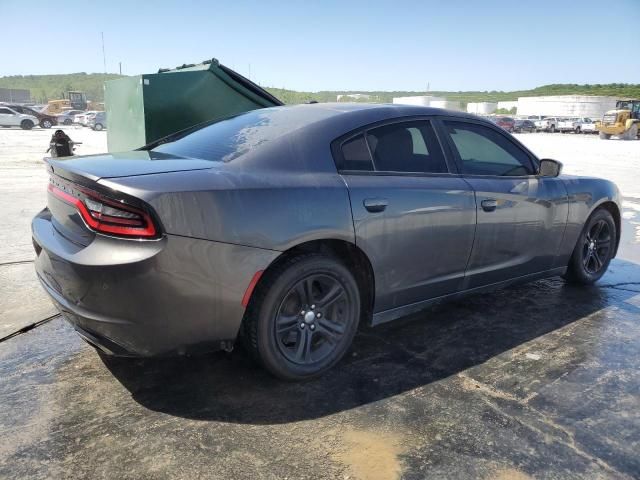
x: 566, y: 437
x: 16, y: 262
x: 620, y: 286
x: 29, y: 327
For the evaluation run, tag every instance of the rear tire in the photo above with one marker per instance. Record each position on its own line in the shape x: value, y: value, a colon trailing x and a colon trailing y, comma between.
x: 67, y: 121
x: 98, y: 127
x: 26, y: 125
x: 594, y: 250
x: 552, y: 129
x: 303, y: 316
x: 604, y: 136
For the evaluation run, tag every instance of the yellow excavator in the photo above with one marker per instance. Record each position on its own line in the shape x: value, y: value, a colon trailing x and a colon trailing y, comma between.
x: 623, y: 122
x: 73, y: 101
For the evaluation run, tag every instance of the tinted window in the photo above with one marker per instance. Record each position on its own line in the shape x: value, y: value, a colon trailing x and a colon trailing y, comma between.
x: 4, y: 110
x: 484, y: 151
x: 355, y: 155
x: 406, y: 147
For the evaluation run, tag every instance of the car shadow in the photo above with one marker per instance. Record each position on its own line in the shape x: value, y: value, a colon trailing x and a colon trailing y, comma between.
x: 383, y: 362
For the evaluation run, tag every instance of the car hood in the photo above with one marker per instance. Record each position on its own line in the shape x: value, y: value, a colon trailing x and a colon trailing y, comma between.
x: 127, y: 164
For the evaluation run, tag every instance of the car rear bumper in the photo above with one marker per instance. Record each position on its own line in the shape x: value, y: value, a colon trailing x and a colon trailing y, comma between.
x: 146, y: 298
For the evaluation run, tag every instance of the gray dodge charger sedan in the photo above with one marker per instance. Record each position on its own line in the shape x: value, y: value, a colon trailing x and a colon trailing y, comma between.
x: 286, y: 227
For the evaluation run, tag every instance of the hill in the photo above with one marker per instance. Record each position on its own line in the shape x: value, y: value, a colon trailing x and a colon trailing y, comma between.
x: 49, y: 87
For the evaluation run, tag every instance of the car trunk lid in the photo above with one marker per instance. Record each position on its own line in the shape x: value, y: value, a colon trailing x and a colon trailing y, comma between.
x: 129, y: 164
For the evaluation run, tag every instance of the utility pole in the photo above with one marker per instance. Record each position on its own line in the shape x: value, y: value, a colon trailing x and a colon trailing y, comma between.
x: 249, y: 71
x: 104, y: 58
x: 120, y: 67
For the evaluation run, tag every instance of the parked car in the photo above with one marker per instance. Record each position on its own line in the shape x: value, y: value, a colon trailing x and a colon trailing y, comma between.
x: 588, y: 126
x: 239, y: 235
x: 67, y: 117
x: 84, y: 117
x: 88, y: 117
x: 547, y: 124
x: 570, y: 125
x: 99, y: 121
x: 10, y: 118
x: 522, y: 125
x: 506, y: 123
x: 44, y: 120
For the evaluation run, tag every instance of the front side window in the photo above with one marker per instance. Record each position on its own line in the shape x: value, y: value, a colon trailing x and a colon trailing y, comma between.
x: 410, y: 147
x: 483, y: 151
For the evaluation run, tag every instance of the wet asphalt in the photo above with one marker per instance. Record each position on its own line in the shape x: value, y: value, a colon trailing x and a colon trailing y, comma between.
x: 535, y: 381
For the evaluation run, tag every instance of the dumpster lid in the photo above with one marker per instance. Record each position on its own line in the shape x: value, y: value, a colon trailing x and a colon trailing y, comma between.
x: 229, y: 76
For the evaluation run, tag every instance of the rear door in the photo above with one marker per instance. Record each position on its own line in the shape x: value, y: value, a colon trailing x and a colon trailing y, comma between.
x: 413, y: 218
x: 521, y: 217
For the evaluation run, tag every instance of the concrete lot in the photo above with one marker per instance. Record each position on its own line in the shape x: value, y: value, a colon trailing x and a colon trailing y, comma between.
x: 537, y: 381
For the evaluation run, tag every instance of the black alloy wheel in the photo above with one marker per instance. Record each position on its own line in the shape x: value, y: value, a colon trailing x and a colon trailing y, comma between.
x: 303, y: 316
x: 311, y: 319
x: 594, y: 250
x: 596, y: 247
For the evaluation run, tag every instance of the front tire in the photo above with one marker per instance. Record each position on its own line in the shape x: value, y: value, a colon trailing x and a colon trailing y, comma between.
x: 594, y: 250
x: 303, y: 316
x: 26, y: 125
x: 98, y: 127
x: 46, y: 123
x: 67, y: 121
x: 604, y: 136
x: 632, y: 133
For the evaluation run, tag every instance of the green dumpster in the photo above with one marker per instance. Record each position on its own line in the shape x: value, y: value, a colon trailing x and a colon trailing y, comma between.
x: 144, y: 108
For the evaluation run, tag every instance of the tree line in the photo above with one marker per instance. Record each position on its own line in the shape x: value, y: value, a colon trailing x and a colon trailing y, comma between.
x: 50, y: 87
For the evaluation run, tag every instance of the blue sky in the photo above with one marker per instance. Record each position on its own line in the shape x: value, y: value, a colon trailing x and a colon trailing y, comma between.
x: 335, y: 45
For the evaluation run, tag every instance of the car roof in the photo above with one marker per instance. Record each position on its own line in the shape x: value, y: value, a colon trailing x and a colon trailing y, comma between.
x: 390, y: 109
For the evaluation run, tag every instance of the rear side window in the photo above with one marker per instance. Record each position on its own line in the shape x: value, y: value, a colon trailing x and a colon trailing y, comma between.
x: 483, y: 151
x: 230, y: 138
x: 410, y: 147
x: 355, y: 155
x: 6, y: 111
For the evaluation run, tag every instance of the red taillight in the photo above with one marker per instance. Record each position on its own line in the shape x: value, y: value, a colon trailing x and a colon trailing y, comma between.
x: 108, y: 216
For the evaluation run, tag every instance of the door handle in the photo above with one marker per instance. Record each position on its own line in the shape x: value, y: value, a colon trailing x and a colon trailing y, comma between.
x: 489, y: 205
x: 375, y: 205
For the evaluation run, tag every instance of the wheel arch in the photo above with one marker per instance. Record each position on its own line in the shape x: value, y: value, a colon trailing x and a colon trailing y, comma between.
x: 614, y: 210
x: 348, y: 253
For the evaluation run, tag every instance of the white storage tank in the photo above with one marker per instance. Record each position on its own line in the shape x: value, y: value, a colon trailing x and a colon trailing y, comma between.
x: 423, y: 100
x: 482, y: 108
x: 447, y: 104
x: 566, y: 105
x: 508, y: 105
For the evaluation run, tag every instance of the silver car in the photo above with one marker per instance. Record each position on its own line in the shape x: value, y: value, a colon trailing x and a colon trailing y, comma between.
x: 287, y: 227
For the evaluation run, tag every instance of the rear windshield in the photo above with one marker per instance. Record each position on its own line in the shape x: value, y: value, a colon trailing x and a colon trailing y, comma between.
x: 231, y: 138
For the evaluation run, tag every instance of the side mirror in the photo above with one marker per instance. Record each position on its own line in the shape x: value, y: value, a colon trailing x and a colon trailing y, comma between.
x: 549, y: 168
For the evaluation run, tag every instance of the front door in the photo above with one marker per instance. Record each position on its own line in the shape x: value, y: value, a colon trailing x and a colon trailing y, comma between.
x: 413, y: 219
x: 8, y: 117
x: 521, y: 216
